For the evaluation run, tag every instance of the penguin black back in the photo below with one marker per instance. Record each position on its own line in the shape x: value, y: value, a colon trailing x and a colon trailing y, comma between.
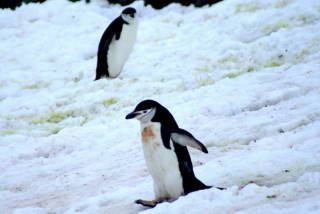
x: 190, y: 182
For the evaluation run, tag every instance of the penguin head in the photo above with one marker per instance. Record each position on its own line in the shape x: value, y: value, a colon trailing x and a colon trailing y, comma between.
x: 150, y: 110
x: 129, y: 14
x: 144, y: 111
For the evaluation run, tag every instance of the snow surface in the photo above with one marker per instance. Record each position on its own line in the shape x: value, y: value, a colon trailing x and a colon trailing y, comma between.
x: 242, y: 76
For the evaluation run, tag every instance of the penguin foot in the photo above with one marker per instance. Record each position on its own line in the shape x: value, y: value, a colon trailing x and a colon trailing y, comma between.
x: 147, y: 203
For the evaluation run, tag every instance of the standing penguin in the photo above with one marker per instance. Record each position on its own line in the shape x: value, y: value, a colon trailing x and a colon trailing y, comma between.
x: 116, y: 44
x: 166, y: 155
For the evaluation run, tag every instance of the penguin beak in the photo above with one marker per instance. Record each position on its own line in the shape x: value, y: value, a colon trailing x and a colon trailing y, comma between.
x: 132, y: 115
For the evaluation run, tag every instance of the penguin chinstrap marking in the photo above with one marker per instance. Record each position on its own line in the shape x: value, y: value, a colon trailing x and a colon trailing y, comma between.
x: 165, y: 151
x: 116, y: 44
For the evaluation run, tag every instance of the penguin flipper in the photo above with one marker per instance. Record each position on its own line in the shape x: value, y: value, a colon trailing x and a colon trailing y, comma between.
x: 184, y: 138
x: 118, y: 32
x: 102, y: 66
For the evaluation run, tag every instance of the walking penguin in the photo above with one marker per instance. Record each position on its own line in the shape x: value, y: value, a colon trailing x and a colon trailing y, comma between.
x: 116, y: 44
x: 165, y: 152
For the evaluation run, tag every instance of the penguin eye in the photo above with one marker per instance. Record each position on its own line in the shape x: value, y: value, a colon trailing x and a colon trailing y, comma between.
x: 144, y: 111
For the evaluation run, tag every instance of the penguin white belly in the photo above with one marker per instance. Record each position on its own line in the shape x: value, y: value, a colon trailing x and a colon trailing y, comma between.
x: 119, y: 50
x: 162, y: 163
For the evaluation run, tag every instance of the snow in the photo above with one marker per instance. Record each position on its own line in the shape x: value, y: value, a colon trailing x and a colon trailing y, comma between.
x: 242, y: 76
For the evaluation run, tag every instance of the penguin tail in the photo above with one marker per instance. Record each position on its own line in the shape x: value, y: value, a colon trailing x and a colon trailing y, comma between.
x: 219, y: 188
x: 101, y: 70
x: 196, y: 185
x: 99, y: 74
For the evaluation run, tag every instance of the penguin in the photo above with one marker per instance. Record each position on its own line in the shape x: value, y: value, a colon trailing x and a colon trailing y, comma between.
x: 116, y: 44
x: 165, y: 151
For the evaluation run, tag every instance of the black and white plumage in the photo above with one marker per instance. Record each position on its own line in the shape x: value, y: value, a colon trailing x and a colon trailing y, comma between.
x: 167, y: 157
x: 116, y: 44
